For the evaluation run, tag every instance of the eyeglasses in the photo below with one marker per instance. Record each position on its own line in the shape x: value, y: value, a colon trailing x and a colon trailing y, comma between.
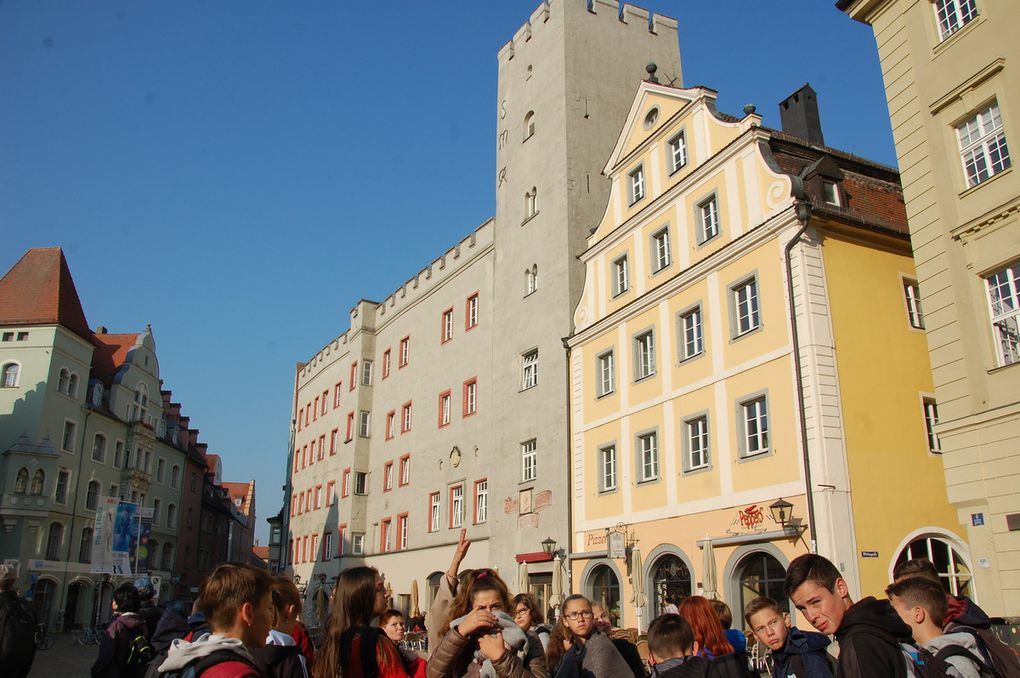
x: 520, y: 611
x: 580, y: 614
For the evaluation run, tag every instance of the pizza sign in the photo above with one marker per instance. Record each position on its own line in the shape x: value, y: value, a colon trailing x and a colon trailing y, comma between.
x: 750, y: 517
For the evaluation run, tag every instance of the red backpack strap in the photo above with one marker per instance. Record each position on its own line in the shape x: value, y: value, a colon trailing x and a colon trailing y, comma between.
x: 231, y: 669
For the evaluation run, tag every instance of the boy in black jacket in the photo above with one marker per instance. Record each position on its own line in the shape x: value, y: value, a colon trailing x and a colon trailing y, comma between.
x: 672, y: 649
x: 794, y: 652
x: 869, y: 631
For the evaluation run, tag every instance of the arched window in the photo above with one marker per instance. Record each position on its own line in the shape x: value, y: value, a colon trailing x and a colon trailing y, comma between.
x: 11, y: 372
x: 168, y: 556
x: 63, y: 380
x: 85, y: 548
x: 21, y: 482
x: 531, y: 203
x: 99, y: 448
x: 671, y: 582
x: 92, y: 495
x: 171, y: 515
x: 141, y: 407
x: 152, y: 551
x: 760, y: 574
x: 605, y: 591
x: 529, y: 125
x: 531, y: 279
x: 952, y: 568
x: 38, y: 481
x: 54, y: 540
x: 175, y: 476
x: 97, y: 394
x: 72, y: 385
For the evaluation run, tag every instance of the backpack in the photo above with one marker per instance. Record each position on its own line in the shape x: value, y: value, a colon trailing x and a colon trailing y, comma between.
x: 997, y: 654
x: 227, y: 661
x: 139, y: 654
x: 733, y: 665
x: 984, y: 669
x: 922, y: 663
x: 17, y: 633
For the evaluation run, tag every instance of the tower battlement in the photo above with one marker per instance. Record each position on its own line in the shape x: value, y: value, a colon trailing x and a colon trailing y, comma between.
x: 606, y: 10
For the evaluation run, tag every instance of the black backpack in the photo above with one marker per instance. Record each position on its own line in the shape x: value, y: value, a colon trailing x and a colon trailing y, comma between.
x: 139, y: 654
x: 997, y: 654
x: 922, y: 663
x: 17, y: 634
x: 198, y: 666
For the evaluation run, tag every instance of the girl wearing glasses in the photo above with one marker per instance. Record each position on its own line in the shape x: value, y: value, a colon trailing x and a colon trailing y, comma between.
x: 530, y: 618
x: 593, y: 653
x: 353, y: 647
x: 480, y: 638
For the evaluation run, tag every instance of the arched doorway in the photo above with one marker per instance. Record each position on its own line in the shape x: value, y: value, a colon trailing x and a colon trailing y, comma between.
x: 103, y: 612
x: 671, y: 581
x: 43, y: 595
x: 76, y: 610
x: 760, y: 574
x: 433, y: 583
x: 604, y: 589
x: 953, y: 569
x: 320, y: 605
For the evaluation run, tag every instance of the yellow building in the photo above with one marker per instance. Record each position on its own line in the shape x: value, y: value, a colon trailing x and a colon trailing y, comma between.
x: 687, y: 423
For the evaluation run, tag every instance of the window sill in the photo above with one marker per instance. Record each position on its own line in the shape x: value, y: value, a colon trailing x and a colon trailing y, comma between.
x: 610, y: 490
x: 530, y: 217
x: 660, y: 270
x: 527, y: 388
x: 684, y: 361
x: 617, y: 295
x: 738, y: 337
x: 646, y: 377
x: 945, y: 42
x: 469, y: 414
x: 741, y: 458
x: 648, y: 481
x: 984, y: 183
x: 1000, y: 368
x: 600, y: 396
x: 701, y: 243
x: 695, y: 471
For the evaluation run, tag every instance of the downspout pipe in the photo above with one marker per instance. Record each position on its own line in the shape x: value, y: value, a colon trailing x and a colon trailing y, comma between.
x: 802, y: 205
x: 565, y: 561
x: 74, y: 512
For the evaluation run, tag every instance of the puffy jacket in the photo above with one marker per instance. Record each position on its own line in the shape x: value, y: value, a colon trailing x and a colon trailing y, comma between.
x: 115, y: 645
x: 453, y: 658
x: 803, y: 656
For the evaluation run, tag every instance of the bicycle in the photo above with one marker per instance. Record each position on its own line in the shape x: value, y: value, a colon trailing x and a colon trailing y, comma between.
x: 88, y: 635
x: 43, y: 640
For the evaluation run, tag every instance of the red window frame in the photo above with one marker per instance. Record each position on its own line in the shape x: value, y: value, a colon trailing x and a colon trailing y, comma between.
x: 322, y: 447
x: 405, y: 462
x: 391, y: 418
x: 404, y: 354
x: 331, y: 493
x: 325, y: 553
x: 318, y: 496
x: 443, y: 337
x: 350, y: 427
x: 428, y: 508
x: 336, y: 395
x: 325, y: 402
x: 315, y: 410
x: 449, y: 511
x: 406, y: 417
x: 386, y: 363
x: 313, y: 551
x: 354, y: 376
x: 341, y: 538
x: 474, y: 502
x: 468, y: 325
x: 398, y: 542
x: 345, y: 486
x: 448, y: 395
x: 385, y: 525
x: 333, y: 435
x: 304, y: 549
x: 473, y: 381
x: 387, y: 483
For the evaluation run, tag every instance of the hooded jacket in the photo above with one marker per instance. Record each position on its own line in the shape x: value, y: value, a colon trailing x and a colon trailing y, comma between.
x: 869, y: 641
x: 280, y: 657
x: 115, y: 645
x: 682, y: 667
x: 183, y: 653
x: 810, y: 650
x: 967, y: 667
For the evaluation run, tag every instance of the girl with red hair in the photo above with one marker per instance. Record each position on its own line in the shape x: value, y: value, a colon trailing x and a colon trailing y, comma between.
x: 708, y: 630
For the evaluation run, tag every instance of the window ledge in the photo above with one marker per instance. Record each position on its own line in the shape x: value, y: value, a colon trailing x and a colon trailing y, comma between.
x: 944, y: 43
x: 605, y: 395
x: 1000, y: 368
x: 644, y: 378
x: 756, y: 330
x: 695, y: 471
x: 741, y: 458
x: 684, y: 361
x: 529, y: 218
x: 701, y: 243
x: 660, y: 270
x: 984, y: 183
x: 608, y: 491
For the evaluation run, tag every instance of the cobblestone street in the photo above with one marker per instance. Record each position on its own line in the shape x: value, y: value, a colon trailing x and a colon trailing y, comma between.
x: 66, y: 659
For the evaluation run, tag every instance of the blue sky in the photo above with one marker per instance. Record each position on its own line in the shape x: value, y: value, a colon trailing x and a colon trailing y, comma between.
x: 239, y: 174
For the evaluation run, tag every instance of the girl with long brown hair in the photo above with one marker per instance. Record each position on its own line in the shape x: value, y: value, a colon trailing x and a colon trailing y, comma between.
x: 479, y: 632
x: 359, y: 596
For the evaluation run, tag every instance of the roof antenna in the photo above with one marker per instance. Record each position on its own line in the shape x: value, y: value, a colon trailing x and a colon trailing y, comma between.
x: 651, y: 68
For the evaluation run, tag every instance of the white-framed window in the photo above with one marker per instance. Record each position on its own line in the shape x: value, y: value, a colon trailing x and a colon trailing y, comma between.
x: 99, y: 448
x: 175, y: 476
x: 696, y: 441
x: 747, y: 315
x: 327, y: 546
x: 531, y: 203
x: 366, y: 378
x: 402, y: 531
x: 637, y: 184
x: 607, y: 466
x: 470, y: 397
x: 471, y: 317
x: 447, y: 326
x: 456, y: 506
x: 357, y: 544
x: 644, y: 352
x: 405, y: 352
x: 388, y: 476
x: 606, y: 376
x: 386, y: 528
x: 360, y: 482
x: 660, y: 249
x: 10, y: 375
x: 364, y: 424
x: 931, y: 418
x: 983, y: 147
x: 529, y: 460
x: 67, y: 441
x: 156, y: 505
x: 63, y: 480
x: 63, y: 380
x: 405, y: 418
x: 92, y: 495
x: 677, y: 152
x: 648, y: 456
x: 434, y: 512
x: 1004, y: 304
x: 830, y: 193
x: 160, y: 470
x: 405, y: 470
x: 708, y: 219
x: 952, y: 15
x: 621, y: 276
x: 531, y: 280
x: 529, y: 373
x: 481, y: 501
x: 953, y: 570
x: 692, y: 340
x: 118, y: 454
x: 912, y: 295
x: 171, y: 515
x: 755, y: 426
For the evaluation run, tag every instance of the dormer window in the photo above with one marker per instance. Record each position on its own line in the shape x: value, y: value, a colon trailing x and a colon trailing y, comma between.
x: 830, y: 193
x: 637, y: 184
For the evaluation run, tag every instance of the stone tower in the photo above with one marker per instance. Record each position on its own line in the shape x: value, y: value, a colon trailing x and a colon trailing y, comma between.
x: 566, y: 83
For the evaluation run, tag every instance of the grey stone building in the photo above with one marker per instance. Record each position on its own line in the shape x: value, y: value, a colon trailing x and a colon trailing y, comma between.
x: 445, y: 405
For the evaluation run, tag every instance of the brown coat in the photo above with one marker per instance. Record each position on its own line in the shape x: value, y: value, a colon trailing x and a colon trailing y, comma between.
x: 452, y: 658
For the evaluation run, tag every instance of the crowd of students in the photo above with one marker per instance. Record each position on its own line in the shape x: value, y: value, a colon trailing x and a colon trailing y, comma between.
x: 246, y: 625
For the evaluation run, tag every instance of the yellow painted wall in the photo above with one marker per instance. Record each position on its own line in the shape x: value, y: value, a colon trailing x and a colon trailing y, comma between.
x: 765, y: 262
x: 600, y: 505
x: 897, y: 485
x: 596, y: 407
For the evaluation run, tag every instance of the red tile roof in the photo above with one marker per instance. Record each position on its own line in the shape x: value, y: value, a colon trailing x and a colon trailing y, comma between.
x: 242, y: 491
x: 261, y: 552
x: 39, y: 290
x: 111, y: 352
